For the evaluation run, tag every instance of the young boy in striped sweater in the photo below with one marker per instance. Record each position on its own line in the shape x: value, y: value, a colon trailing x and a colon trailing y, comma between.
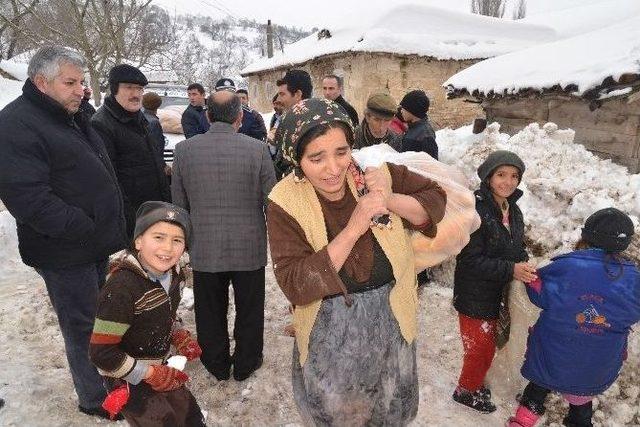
x: 136, y: 322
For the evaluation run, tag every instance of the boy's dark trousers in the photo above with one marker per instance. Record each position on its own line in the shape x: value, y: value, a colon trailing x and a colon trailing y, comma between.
x: 211, y: 292
x: 534, y: 396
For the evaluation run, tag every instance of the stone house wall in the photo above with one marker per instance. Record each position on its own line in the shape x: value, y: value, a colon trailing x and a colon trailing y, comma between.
x: 611, y: 131
x: 366, y: 73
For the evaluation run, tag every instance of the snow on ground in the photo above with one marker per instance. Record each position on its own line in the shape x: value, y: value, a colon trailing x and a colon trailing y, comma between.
x: 584, y: 60
x: 562, y: 185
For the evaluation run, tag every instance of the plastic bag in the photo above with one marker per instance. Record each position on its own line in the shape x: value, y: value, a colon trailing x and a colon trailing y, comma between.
x: 460, y: 218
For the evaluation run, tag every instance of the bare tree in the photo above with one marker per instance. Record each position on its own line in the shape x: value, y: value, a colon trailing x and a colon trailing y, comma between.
x: 488, y: 7
x: 12, y: 15
x: 105, y: 32
x: 520, y: 10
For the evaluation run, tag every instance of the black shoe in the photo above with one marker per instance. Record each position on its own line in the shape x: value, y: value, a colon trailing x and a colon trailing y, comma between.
x: 100, y: 412
x: 243, y: 375
x: 221, y: 375
x: 485, y: 392
x: 474, y: 401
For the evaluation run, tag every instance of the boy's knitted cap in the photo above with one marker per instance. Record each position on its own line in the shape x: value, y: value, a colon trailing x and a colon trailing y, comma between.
x: 154, y: 211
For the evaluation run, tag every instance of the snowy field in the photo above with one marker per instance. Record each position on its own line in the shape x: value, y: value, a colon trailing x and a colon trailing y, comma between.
x: 563, y: 184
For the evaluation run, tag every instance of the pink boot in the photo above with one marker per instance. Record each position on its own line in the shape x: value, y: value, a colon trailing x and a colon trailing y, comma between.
x: 524, y: 418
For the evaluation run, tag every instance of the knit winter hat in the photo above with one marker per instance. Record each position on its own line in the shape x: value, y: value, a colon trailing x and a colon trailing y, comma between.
x: 500, y: 158
x: 154, y: 211
x: 151, y: 101
x: 383, y: 104
x: 303, y: 117
x: 125, y: 73
x: 416, y: 102
x: 608, y: 229
x: 225, y: 84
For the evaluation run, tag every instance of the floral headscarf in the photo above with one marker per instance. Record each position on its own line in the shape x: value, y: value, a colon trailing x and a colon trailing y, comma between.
x: 303, y: 117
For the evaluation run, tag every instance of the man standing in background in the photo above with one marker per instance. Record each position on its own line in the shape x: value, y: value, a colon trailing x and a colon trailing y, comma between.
x: 332, y: 89
x: 194, y: 119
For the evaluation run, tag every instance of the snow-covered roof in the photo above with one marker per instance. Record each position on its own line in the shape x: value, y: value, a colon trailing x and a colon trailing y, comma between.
x: 580, y: 65
x: 412, y: 29
x: 583, y: 18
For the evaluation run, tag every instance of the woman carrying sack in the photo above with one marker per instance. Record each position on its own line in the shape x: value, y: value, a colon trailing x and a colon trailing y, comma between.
x: 353, y: 284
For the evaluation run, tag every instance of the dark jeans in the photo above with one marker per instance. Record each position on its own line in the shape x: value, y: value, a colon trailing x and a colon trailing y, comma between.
x: 534, y: 396
x: 211, y: 292
x: 74, y: 295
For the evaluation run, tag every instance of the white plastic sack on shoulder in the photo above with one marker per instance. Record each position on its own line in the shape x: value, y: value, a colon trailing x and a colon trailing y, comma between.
x: 460, y: 218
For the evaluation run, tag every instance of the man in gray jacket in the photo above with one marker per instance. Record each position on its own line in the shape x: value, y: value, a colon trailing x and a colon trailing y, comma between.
x: 223, y: 178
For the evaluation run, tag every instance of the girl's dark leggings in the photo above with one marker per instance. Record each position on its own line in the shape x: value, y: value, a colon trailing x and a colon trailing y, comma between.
x: 533, y: 398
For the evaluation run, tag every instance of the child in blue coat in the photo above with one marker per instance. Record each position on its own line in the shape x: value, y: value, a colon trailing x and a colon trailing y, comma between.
x: 589, y: 298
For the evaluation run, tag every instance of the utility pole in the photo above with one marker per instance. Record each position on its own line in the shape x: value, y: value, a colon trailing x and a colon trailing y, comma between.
x: 269, y: 39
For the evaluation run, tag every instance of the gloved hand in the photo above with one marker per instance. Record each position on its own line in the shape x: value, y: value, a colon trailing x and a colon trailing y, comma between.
x: 185, y: 344
x: 166, y: 378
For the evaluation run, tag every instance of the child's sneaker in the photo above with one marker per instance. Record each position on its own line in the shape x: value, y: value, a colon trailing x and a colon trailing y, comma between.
x: 474, y: 400
x: 525, y: 417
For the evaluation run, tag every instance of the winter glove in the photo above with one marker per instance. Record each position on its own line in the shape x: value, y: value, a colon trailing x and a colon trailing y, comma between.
x: 166, y: 378
x: 185, y: 344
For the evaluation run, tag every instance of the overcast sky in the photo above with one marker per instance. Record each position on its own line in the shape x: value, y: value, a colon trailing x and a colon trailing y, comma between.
x: 318, y: 13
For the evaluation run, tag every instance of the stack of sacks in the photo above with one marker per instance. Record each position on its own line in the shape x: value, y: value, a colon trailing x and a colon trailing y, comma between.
x: 460, y: 218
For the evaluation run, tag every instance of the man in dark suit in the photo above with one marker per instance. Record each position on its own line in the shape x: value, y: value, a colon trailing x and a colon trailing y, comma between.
x: 223, y: 178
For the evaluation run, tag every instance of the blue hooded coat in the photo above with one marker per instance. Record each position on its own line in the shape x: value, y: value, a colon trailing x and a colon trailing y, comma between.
x: 579, y: 342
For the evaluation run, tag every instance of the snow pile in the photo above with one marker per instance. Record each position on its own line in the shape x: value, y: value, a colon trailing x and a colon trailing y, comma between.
x: 563, y: 184
x: 16, y: 68
x: 585, y: 61
x: 414, y: 29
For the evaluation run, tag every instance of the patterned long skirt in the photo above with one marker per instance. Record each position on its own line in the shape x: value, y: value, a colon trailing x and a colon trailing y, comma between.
x: 360, y: 370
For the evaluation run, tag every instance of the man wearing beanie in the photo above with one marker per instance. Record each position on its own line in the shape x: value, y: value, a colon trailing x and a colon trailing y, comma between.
x: 125, y: 132
x: 420, y: 135
x: 194, y: 119
x: 374, y: 128
x: 151, y: 101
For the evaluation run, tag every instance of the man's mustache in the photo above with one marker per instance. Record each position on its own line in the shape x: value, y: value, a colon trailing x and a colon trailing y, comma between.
x: 134, y: 99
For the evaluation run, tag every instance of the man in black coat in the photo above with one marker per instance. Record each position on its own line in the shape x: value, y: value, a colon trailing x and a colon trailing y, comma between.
x: 125, y: 132
x: 419, y: 135
x: 57, y: 181
x: 332, y: 89
x: 194, y: 119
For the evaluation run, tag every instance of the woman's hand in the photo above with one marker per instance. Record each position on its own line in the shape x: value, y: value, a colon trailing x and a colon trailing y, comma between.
x: 524, y: 272
x: 378, y: 182
x: 369, y: 205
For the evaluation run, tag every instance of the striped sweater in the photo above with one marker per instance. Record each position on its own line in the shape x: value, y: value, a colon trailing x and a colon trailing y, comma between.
x: 134, y: 320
